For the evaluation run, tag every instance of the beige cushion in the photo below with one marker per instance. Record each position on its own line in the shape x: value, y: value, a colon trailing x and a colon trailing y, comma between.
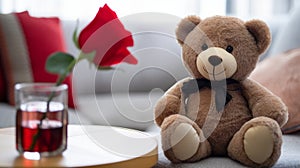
x: 281, y: 75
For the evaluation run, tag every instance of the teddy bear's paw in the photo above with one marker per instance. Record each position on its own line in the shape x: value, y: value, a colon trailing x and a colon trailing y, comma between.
x: 184, y: 141
x: 258, y: 143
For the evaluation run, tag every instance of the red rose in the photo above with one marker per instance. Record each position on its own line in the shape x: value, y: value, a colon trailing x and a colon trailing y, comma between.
x: 107, y: 36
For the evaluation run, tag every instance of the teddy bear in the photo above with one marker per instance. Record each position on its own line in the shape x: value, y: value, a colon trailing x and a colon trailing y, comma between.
x: 219, y: 111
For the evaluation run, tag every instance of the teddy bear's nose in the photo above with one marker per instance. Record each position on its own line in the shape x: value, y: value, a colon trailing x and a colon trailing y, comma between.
x: 215, y: 60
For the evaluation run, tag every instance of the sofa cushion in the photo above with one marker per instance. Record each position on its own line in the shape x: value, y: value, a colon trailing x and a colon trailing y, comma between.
x: 284, y: 81
x: 2, y: 85
x: 25, y: 44
x: 131, y: 110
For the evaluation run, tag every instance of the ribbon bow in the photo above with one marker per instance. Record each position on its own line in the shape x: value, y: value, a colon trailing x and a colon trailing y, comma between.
x: 222, y: 97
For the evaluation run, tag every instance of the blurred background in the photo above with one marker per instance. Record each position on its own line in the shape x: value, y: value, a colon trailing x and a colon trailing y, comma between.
x: 126, y: 97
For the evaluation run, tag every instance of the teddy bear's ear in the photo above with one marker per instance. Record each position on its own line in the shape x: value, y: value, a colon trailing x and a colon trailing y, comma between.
x: 260, y: 32
x: 185, y: 26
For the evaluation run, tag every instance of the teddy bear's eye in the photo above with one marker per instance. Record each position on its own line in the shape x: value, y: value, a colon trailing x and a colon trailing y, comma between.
x: 204, y: 47
x: 229, y: 49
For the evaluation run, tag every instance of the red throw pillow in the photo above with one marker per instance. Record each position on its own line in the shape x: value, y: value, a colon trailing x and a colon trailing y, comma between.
x: 25, y: 44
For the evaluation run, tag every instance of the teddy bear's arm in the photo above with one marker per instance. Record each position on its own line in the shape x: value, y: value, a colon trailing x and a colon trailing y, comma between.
x: 262, y: 102
x: 170, y: 103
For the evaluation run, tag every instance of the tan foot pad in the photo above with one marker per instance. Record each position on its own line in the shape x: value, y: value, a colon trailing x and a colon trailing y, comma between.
x: 258, y: 143
x: 185, y: 141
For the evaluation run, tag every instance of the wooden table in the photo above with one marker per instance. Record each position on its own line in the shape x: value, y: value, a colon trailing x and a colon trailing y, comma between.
x: 88, y: 146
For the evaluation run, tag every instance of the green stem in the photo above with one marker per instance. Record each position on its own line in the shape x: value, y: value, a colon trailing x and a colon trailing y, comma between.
x: 59, y: 81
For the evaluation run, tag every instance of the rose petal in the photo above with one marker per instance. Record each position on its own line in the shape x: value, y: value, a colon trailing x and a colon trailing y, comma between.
x: 104, y: 15
x: 107, y: 36
x: 130, y: 59
x: 122, y: 55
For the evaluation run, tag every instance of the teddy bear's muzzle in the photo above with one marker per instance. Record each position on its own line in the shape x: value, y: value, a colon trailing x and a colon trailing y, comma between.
x: 216, y: 64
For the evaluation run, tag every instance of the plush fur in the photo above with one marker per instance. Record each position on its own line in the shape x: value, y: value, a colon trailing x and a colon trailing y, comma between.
x: 248, y: 128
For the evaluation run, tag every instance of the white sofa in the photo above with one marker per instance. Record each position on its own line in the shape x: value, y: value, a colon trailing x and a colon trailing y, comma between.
x: 126, y: 96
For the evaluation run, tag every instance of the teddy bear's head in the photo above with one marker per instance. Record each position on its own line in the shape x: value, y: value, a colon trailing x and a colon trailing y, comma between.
x: 222, y: 47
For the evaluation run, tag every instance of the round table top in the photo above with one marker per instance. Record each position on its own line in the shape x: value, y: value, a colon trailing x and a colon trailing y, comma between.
x: 88, y: 146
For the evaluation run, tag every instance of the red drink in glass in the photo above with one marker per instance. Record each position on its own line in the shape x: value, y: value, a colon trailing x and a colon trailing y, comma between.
x: 40, y: 131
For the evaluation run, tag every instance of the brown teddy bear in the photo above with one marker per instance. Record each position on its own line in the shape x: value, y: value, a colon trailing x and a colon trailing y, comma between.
x: 219, y: 111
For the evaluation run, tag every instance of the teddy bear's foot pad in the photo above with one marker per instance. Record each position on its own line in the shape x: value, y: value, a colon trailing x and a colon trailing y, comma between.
x: 185, y: 141
x: 258, y: 143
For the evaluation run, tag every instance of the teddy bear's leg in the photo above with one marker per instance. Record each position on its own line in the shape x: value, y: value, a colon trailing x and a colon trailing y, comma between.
x: 183, y: 140
x: 257, y: 143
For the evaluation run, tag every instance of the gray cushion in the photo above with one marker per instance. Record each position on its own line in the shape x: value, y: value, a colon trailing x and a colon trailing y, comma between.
x: 7, y: 115
x: 131, y: 110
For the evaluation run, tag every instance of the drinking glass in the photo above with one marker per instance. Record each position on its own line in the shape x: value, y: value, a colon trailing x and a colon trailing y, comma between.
x: 41, y: 119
